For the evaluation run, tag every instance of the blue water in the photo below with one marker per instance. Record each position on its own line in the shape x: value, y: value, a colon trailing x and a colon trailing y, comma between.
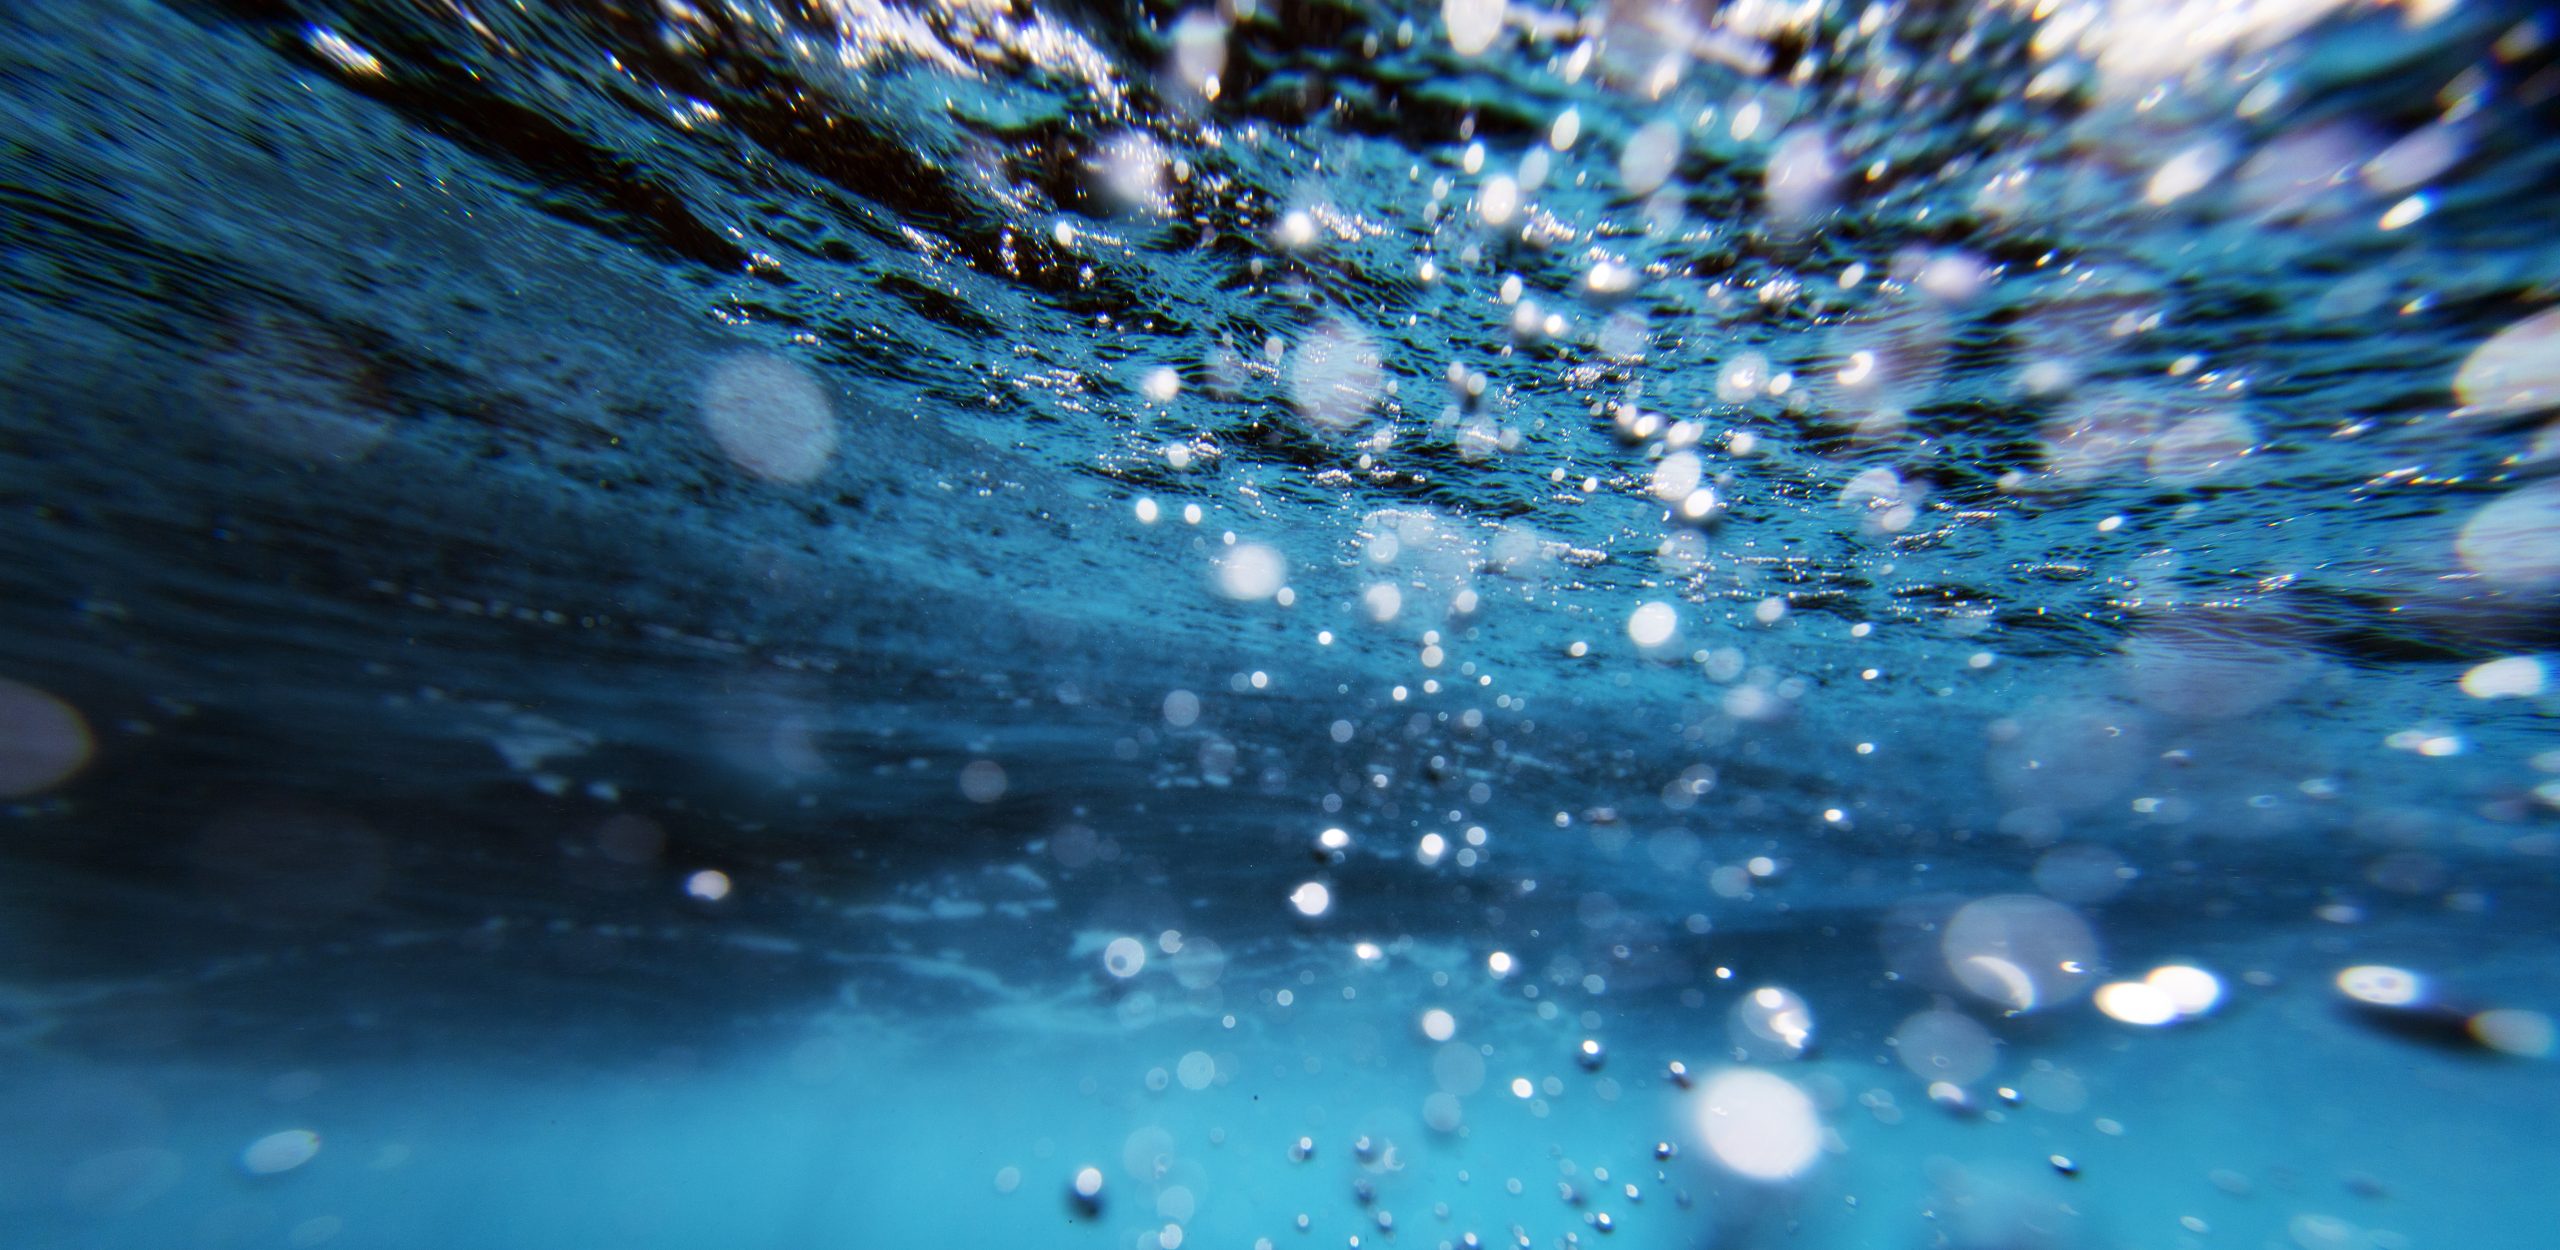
x: 844, y: 624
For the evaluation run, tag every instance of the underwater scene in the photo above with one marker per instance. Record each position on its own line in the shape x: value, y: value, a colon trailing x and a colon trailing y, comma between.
x: 1262, y: 624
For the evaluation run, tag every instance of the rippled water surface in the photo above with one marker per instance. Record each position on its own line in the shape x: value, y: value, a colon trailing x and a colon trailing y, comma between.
x: 848, y: 623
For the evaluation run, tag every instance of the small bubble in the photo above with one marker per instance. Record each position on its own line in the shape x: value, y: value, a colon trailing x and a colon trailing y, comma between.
x: 1650, y: 156
x: 2515, y: 1031
x: 2516, y: 369
x: 280, y: 1152
x: 1125, y: 957
x: 770, y: 417
x: 43, y: 740
x: 2136, y: 1002
x: 1758, y: 1124
x: 1473, y: 24
x: 1196, y: 1071
x: 982, y: 781
x: 2406, y: 212
x: 1439, y: 1025
x: 1251, y: 571
x: 2379, y: 985
x: 1653, y: 624
x: 2514, y: 677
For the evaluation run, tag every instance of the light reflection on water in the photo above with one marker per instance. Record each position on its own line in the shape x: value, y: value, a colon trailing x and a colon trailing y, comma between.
x: 1178, y: 626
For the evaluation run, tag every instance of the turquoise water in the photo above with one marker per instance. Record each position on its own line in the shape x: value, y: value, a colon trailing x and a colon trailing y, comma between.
x: 860, y: 624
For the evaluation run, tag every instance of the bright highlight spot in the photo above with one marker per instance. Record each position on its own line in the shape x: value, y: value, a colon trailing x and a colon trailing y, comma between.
x: 2186, y: 173
x: 1439, y: 1025
x: 1251, y: 571
x: 2515, y: 677
x: 1652, y: 624
x: 1567, y: 128
x: 2193, y: 991
x: 2136, y: 1002
x: 2380, y: 985
x: 2404, y: 213
x: 1311, y: 899
x: 1473, y: 24
x: 1758, y: 1124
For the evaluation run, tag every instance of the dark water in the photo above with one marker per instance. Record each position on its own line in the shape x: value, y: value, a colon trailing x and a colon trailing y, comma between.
x: 728, y: 624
